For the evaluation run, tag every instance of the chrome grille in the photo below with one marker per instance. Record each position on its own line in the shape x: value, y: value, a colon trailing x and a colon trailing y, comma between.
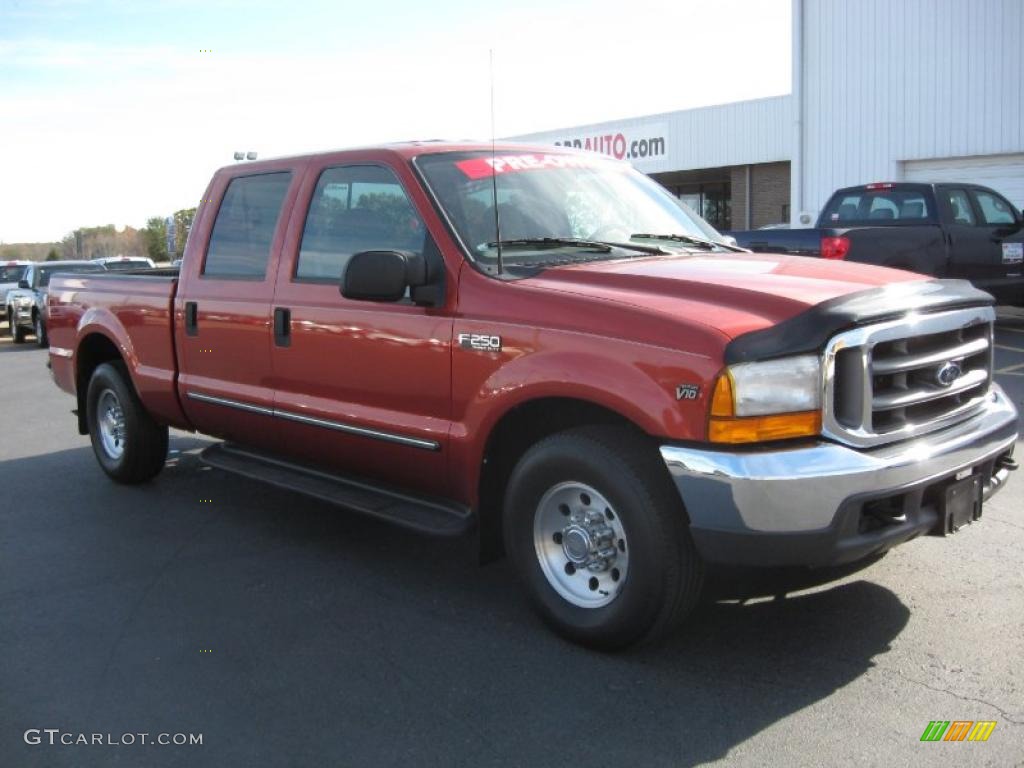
x: 902, y: 378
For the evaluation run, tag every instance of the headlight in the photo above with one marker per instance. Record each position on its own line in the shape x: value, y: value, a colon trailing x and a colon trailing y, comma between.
x: 771, y: 400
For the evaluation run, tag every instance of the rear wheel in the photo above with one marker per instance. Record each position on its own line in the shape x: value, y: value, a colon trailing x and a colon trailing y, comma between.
x: 129, y: 445
x: 599, y: 536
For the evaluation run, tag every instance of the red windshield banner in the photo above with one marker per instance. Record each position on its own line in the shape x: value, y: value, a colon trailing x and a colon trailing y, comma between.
x: 485, y: 167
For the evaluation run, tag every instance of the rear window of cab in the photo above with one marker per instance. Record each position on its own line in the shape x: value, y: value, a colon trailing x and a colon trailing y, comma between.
x: 878, y: 207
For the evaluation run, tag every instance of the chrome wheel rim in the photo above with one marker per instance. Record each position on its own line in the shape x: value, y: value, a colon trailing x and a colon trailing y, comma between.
x: 110, y: 418
x: 581, y: 545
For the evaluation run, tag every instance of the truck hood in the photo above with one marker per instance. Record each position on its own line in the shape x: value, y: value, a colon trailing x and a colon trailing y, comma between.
x: 734, y: 293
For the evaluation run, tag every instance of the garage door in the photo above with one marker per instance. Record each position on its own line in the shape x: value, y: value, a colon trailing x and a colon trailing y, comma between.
x: 1004, y: 173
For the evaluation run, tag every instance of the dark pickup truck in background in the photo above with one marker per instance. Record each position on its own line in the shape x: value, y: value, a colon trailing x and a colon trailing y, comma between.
x: 946, y: 230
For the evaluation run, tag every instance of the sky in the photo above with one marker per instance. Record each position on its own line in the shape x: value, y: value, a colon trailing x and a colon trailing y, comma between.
x: 114, y: 111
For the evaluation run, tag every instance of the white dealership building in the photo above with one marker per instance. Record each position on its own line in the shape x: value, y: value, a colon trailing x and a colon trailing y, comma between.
x: 882, y: 90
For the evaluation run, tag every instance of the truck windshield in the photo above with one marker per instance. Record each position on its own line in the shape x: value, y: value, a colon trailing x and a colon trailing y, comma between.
x: 45, y: 273
x: 127, y: 264
x: 552, y: 199
x: 11, y: 274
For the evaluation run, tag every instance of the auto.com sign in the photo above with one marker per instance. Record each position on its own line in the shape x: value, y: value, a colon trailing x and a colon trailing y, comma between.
x: 638, y: 144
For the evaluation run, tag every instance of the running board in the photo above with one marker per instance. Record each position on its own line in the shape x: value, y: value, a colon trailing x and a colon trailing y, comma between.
x: 432, y: 516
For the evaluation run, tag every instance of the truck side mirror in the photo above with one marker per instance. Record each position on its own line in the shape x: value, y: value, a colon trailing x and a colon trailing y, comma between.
x: 24, y: 284
x: 382, y: 275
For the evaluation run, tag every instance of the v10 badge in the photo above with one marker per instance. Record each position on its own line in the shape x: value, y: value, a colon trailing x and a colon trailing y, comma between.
x: 687, y: 392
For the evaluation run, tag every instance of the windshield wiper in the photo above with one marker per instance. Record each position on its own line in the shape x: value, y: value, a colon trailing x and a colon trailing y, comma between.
x: 550, y: 242
x: 573, y: 242
x: 698, y: 241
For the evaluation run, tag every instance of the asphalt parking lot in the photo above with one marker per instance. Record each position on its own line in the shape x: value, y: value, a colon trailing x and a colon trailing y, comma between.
x: 289, y: 633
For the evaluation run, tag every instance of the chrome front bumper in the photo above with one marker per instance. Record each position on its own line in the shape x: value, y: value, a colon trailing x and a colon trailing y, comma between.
x: 802, y: 504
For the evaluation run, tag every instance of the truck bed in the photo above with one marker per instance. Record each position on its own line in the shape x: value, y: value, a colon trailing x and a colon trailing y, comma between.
x: 131, y: 310
x: 797, y: 242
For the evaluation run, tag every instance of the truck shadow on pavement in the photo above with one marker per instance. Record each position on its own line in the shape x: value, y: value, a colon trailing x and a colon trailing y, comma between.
x: 290, y: 632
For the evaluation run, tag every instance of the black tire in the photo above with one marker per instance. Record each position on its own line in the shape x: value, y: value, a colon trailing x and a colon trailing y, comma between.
x: 665, y: 573
x: 39, y: 328
x: 143, y: 442
x: 9, y: 316
x: 19, y: 333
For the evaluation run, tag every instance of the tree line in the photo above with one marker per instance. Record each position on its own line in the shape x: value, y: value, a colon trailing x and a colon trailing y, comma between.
x: 100, y: 242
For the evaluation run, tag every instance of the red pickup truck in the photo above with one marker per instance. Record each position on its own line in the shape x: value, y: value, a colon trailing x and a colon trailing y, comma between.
x: 544, y: 349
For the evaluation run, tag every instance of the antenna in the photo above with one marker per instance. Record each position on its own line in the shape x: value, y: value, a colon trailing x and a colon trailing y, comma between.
x: 494, y: 171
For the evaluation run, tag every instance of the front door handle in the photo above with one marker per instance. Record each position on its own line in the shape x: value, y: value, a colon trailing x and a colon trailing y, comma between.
x: 191, y: 318
x: 282, y: 327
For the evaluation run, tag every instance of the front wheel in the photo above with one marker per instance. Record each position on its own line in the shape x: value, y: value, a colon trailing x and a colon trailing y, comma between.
x: 129, y: 445
x: 598, y: 535
x: 40, y: 330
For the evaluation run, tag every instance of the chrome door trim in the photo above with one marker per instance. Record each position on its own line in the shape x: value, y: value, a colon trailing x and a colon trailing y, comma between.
x: 230, y: 403
x: 339, y: 426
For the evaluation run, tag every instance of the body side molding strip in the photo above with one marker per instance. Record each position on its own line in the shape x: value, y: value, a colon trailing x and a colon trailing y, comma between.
x: 391, y: 437
x: 230, y: 403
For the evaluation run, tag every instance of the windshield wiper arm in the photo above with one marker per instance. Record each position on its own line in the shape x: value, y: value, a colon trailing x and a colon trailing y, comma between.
x: 550, y: 242
x: 603, y: 246
x: 708, y: 244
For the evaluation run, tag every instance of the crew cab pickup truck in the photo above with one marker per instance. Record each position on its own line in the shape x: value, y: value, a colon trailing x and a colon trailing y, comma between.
x: 545, y: 352
x: 944, y: 230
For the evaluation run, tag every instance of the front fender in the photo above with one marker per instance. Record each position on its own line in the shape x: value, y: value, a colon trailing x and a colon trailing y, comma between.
x: 636, y: 381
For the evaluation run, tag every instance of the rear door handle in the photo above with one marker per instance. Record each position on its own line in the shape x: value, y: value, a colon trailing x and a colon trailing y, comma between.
x: 191, y: 318
x: 282, y: 327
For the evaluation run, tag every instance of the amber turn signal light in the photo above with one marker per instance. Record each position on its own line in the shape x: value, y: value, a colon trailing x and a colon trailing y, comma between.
x: 754, y: 429
x: 721, y: 399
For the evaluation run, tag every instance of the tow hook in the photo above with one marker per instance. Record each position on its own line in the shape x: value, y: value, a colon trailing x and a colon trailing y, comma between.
x: 1007, y: 462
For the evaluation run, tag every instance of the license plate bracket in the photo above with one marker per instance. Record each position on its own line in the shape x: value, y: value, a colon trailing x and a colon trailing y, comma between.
x: 961, y: 504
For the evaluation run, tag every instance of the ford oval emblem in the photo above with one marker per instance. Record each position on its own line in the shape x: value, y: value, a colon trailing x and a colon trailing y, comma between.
x: 948, y: 373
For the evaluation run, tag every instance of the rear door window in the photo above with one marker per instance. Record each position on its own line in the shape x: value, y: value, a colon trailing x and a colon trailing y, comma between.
x: 878, y: 206
x: 244, y: 229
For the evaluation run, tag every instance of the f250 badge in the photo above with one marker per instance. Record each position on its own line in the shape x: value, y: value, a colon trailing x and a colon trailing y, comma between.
x: 481, y: 342
x: 687, y: 392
